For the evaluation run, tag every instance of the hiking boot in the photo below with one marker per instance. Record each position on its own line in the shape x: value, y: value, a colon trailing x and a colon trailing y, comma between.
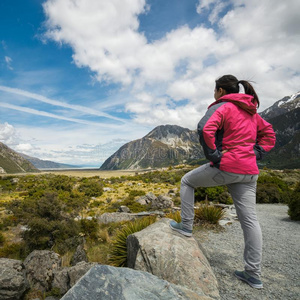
x: 254, y: 282
x: 178, y: 227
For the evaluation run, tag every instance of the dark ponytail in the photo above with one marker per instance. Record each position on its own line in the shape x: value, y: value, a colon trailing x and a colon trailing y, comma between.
x: 230, y: 84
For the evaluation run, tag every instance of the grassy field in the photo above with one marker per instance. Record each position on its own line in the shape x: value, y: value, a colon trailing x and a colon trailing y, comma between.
x: 81, y: 173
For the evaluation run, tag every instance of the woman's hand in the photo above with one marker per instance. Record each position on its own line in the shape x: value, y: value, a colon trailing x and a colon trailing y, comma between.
x: 224, y: 151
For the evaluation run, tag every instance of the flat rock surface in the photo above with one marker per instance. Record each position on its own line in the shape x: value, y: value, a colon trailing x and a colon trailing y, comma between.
x: 281, y: 256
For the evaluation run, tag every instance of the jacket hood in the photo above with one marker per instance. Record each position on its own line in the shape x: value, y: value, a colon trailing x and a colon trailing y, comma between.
x: 243, y: 101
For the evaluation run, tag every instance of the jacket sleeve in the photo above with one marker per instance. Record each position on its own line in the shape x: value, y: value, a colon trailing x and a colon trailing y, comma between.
x: 207, y: 129
x: 266, y: 139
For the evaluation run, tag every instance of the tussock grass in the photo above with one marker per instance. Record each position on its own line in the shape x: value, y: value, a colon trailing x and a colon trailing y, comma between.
x: 118, y: 252
x: 208, y: 213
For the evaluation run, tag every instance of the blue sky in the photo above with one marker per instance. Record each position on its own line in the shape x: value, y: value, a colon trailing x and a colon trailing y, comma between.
x: 79, y: 78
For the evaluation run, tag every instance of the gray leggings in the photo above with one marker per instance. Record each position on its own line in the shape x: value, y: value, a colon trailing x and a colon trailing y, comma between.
x: 243, y: 192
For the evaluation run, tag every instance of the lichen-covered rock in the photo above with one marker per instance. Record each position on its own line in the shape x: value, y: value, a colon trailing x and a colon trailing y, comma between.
x: 110, y: 283
x: 13, y: 282
x: 79, y: 255
x: 147, y: 199
x: 162, y: 202
x: 40, y: 266
x: 170, y: 256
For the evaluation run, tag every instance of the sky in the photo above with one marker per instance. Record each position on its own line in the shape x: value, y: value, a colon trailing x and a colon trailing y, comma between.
x: 79, y: 78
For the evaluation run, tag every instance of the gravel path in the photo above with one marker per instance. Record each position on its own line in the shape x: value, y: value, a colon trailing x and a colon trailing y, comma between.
x: 281, y: 256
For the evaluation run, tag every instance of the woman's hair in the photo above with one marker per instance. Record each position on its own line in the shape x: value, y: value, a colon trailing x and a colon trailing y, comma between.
x: 230, y: 84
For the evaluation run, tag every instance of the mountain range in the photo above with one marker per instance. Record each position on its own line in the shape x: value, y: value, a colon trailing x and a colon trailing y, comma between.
x: 168, y: 145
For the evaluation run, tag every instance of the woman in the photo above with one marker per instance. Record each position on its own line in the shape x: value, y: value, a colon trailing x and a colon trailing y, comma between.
x: 233, y: 137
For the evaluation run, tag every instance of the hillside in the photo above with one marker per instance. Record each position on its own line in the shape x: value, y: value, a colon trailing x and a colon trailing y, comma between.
x: 46, y: 164
x: 12, y: 162
x: 164, y: 146
x: 284, y: 115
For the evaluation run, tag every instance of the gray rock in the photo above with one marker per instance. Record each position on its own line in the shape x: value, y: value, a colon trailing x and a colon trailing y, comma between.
x: 170, y: 256
x: 13, y: 282
x: 79, y: 255
x: 124, y: 208
x: 40, y: 265
x: 51, y: 298
x: 110, y: 283
x: 107, y: 218
x: 65, y: 278
x: 162, y: 202
x: 147, y: 199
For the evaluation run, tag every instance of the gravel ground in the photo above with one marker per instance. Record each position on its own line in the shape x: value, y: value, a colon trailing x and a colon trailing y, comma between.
x: 281, y: 256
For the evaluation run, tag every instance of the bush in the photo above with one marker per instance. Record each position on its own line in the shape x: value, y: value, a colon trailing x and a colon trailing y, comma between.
x: 209, y: 213
x: 294, y: 204
x: 216, y: 193
x: 13, y: 251
x: 91, y: 187
x: 2, y: 239
x: 90, y: 228
x: 118, y: 252
x: 271, y: 189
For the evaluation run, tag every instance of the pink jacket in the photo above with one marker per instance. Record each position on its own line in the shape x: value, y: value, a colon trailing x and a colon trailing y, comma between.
x: 232, y: 123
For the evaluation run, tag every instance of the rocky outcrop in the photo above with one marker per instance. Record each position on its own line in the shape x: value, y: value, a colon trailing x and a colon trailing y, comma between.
x: 40, y: 266
x: 170, y: 256
x: 106, y: 282
x: 13, y: 281
x: 162, y: 202
x: 65, y: 278
x: 79, y: 255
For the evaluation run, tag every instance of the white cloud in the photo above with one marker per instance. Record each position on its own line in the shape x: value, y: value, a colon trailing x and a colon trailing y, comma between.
x: 8, y: 61
x: 23, y: 147
x: 79, y: 108
x: 8, y: 134
x: 255, y: 39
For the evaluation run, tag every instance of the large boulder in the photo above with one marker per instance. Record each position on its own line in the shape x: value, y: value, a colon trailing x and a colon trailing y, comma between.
x: 40, y: 266
x: 13, y: 281
x: 159, y: 250
x: 65, y: 278
x: 111, y: 283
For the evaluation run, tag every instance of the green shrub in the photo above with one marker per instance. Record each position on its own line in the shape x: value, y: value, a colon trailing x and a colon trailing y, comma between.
x: 216, y: 193
x: 2, y: 239
x: 118, y: 252
x: 208, y: 213
x: 272, y: 189
x: 91, y: 187
x: 294, y: 204
x: 13, y: 251
x: 90, y: 228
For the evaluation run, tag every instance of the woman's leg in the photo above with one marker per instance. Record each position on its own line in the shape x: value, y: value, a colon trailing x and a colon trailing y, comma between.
x: 204, y: 176
x: 244, y: 198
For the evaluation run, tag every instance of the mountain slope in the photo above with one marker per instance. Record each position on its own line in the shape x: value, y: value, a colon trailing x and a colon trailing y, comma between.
x: 284, y: 115
x: 12, y: 162
x: 45, y: 164
x: 164, y: 146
